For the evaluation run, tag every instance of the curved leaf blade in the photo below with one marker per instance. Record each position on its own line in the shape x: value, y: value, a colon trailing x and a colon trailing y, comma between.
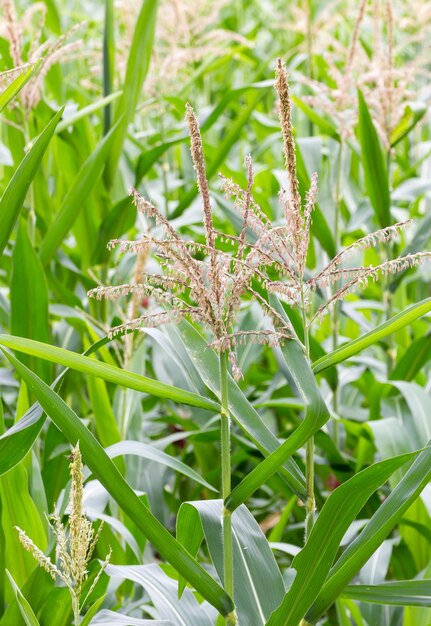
x: 145, y: 451
x: 392, y: 325
x: 258, y: 584
x: 15, y: 87
x: 112, y: 374
x: 107, y: 473
x: 205, y: 362
x: 81, y: 188
x: 314, y: 561
x: 399, y: 593
x: 373, y: 161
x: 316, y: 415
x: 163, y: 593
x: 109, y: 618
x: 16, y: 191
x: 24, y: 605
x: 374, y: 533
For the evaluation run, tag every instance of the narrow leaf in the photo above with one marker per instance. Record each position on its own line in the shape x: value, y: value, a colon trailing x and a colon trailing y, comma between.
x: 374, y: 533
x: 138, y: 64
x: 373, y: 161
x: 75, y: 200
x: 106, y: 472
x: 109, y: 373
x: 145, y: 451
x: 16, y: 191
x: 400, y: 592
x: 312, y: 564
x: 392, y: 325
x: 24, y: 606
x: 316, y: 415
x: 16, y: 85
x: 29, y: 299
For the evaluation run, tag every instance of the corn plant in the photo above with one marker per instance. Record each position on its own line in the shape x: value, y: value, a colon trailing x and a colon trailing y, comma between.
x: 235, y: 338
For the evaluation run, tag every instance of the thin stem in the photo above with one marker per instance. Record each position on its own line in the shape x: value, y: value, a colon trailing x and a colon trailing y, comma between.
x: 75, y: 605
x: 336, y: 310
x: 309, y: 447
x: 226, y: 478
x: 309, y: 37
x: 388, y: 296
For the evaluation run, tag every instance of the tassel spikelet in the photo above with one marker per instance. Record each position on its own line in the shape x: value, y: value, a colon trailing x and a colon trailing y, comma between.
x: 75, y: 546
x: 389, y: 87
x: 47, y: 53
x: 209, y: 289
x: 285, y: 248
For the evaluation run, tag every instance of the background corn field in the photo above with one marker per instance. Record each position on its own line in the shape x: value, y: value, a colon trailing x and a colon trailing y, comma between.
x: 92, y: 103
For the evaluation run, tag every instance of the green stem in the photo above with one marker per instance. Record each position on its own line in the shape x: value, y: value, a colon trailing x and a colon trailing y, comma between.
x: 309, y: 37
x: 75, y: 606
x: 336, y: 310
x: 310, y: 504
x: 226, y: 478
x: 388, y: 295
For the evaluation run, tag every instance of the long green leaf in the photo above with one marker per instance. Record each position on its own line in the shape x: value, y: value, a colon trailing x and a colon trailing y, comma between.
x: 137, y: 68
x: 75, y: 200
x: 108, y: 372
x: 412, y: 114
x: 323, y: 123
x: 312, y: 564
x: 108, y: 60
x: 193, y: 347
x: 400, y: 592
x: 103, y: 103
x: 16, y: 85
x: 146, y: 451
x: 374, y: 164
x: 29, y: 299
x: 258, y: 584
x: 374, y: 533
x: 163, y: 593
x: 24, y: 606
x: 316, y: 415
x: 16, y: 442
x: 86, y: 620
x: 16, y: 191
x: 19, y: 511
x: 351, y: 348
x: 106, y: 472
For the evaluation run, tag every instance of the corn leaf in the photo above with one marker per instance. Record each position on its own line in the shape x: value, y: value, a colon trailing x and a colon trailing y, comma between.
x: 75, y: 200
x: 374, y: 164
x: 106, y: 472
x: 374, y: 533
x: 314, y: 561
x: 400, y: 592
x: 16, y: 191
x: 258, y: 584
x: 137, y: 68
x: 392, y: 325
x: 108, y: 372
